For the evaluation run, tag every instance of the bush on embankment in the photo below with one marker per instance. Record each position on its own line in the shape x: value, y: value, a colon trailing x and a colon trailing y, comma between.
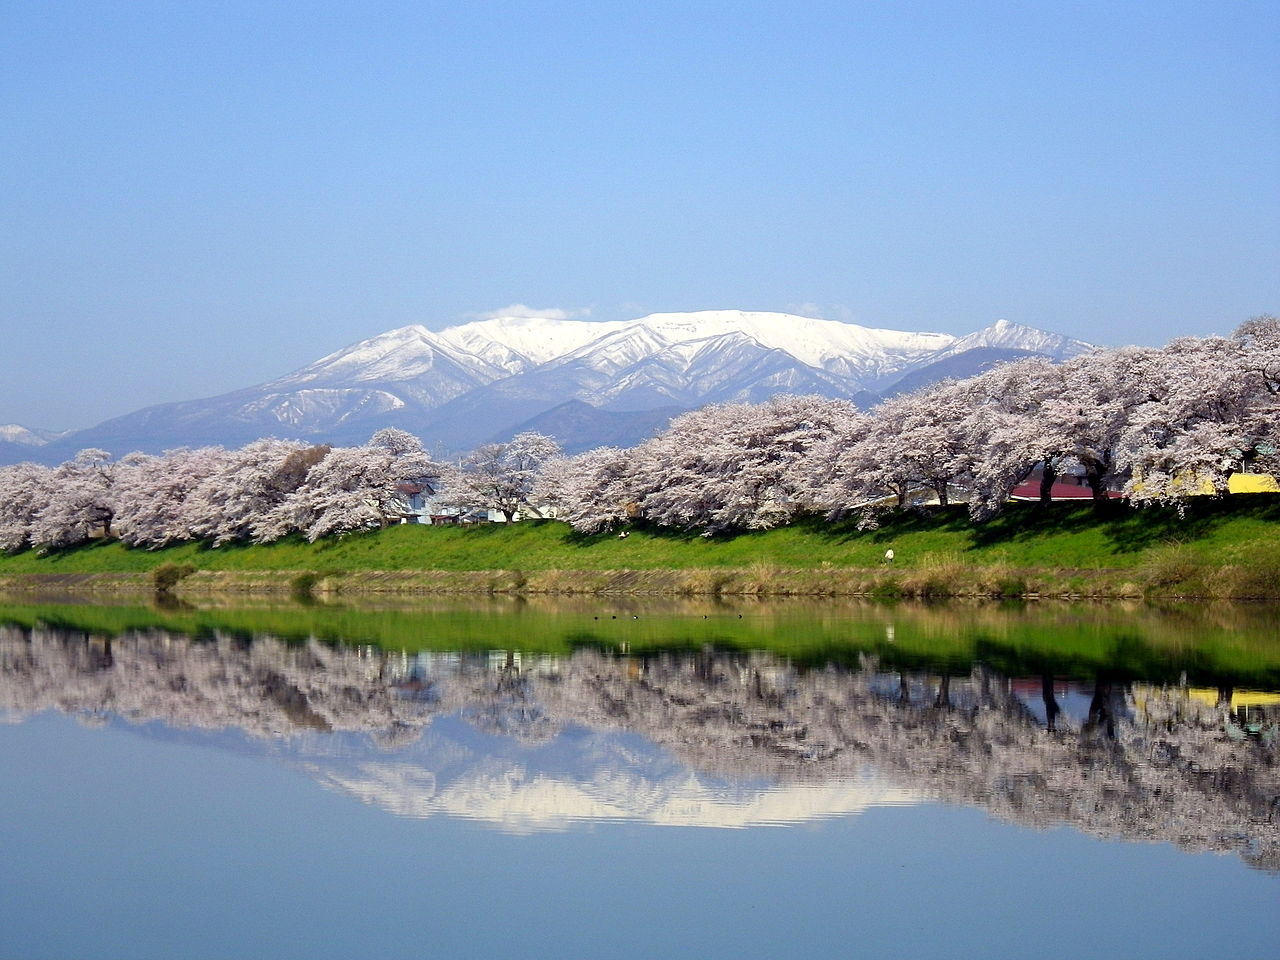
x: 1218, y: 548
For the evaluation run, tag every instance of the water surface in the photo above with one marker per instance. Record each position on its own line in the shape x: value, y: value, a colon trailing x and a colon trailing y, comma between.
x: 595, y: 780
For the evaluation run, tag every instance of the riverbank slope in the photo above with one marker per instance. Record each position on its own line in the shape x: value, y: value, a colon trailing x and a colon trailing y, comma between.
x: 1221, y: 548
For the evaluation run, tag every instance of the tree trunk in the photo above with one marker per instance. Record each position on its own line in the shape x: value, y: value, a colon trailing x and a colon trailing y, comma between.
x: 1097, y: 486
x: 1051, y: 708
x: 1101, y: 711
x: 105, y: 516
x: 1047, y: 479
x: 1095, y: 474
x: 941, y: 490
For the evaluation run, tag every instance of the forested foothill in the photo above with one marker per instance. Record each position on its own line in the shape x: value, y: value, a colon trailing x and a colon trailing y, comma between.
x: 1153, y: 425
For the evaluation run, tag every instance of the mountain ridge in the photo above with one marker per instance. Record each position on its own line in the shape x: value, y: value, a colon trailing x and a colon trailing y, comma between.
x: 472, y: 382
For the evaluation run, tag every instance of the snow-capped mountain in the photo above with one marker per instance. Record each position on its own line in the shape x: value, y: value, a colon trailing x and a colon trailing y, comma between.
x: 1003, y: 335
x: 979, y: 351
x: 24, y: 443
x: 470, y: 383
x: 26, y: 436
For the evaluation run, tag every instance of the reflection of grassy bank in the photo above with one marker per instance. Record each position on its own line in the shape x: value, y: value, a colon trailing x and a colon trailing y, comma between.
x: 1210, y: 644
x: 1221, y: 548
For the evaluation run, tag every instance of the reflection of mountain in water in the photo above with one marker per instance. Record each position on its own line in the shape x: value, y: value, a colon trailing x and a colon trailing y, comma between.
x: 716, y: 739
x: 596, y: 775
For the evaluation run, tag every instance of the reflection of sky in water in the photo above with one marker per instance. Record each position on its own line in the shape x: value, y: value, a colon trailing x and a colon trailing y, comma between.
x: 172, y: 845
x: 1072, y: 699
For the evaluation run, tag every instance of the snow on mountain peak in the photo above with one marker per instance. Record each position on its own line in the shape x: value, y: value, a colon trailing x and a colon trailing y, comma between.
x: 831, y: 345
x: 24, y: 436
x: 1016, y: 336
x: 406, y: 343
x: 534, y: 340
x: 813, y: 341
x: 485, y: 351
x: 406, y: 353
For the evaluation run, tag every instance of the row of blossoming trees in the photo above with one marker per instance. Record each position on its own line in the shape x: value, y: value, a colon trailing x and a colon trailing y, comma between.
x: 1152, y: 422
x: 261, y: 492
x: 1156, y: 423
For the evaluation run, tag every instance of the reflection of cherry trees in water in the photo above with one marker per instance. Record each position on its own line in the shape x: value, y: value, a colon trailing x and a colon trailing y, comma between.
x: 1110, y: 756
x: 512, y: 708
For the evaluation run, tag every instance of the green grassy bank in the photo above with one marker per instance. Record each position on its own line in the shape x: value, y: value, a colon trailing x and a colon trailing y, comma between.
x: 1227, y: 548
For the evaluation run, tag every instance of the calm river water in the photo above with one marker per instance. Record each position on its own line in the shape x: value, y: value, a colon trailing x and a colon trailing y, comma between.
x: 610, y: 779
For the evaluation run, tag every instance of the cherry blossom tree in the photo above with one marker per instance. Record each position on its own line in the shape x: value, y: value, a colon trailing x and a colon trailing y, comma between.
x: 1005, y: 433
x: 81, y: 502
x: 501, y: 476
x: 153, y: 494
x: 742, y: 466
x: 244, y: 486
x: 352, y: 488
x: 1210, y: 415
x: 24, y: 491
x: 1259, y: 342
x: 913, y: 441
x: 592, y: 491
x: 1084, y: 423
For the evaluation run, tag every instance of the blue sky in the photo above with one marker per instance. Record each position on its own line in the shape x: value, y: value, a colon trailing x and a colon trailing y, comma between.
x: 197, y: 197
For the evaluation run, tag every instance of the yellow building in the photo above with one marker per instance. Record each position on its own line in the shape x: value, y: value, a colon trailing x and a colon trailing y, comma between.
x: 1252, y: 483
x: 1190, y: 485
